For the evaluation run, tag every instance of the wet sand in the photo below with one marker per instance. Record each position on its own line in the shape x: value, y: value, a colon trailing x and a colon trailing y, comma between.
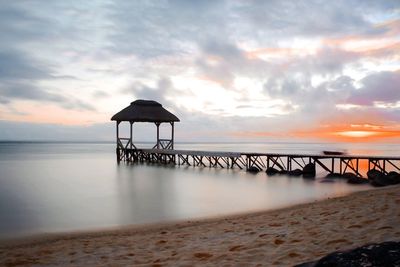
x: 275, y: 238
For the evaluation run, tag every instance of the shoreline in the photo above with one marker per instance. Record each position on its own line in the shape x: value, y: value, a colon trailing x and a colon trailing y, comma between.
x: 279, y: 237
x: 145, y: 227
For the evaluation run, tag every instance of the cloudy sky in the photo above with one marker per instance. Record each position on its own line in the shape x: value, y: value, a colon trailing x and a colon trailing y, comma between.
x: 230, y: 70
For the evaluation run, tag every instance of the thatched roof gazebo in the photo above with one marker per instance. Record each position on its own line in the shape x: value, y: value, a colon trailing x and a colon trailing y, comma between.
x: 144, y: 111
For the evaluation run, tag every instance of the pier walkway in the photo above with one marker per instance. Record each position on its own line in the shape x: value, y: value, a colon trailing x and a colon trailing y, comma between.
x: 334, y: 164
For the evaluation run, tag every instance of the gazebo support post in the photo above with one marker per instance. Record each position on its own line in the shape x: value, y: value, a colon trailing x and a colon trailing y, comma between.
x: 131, y: 135
x: 118, y: 122
x: 118, y: 149
x: 172, y: 135
x: 158, y: 135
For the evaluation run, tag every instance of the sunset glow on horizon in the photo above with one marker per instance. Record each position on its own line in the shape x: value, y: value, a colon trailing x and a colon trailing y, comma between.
x: 243, y: 70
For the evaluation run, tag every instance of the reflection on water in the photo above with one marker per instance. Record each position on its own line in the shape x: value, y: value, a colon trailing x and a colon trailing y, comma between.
x: 62, y: 187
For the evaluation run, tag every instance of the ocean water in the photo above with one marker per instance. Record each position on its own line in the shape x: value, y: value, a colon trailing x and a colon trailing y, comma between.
x: 61, y: 187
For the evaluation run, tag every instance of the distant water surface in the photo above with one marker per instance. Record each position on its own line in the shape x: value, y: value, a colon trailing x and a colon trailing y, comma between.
x: 57, y: 187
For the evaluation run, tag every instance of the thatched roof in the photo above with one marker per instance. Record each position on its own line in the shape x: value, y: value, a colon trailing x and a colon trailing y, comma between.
x: 145, y: 111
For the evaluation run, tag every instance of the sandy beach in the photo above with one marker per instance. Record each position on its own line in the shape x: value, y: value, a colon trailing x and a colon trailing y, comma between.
x: 276, y: 238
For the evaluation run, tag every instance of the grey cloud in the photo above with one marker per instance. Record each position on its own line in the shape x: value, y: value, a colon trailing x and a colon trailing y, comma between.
x: 227, y: 51
x: 285, y: 87
x: 19, y: 75
x: 327, y: 61
x: 4, y: 101
x: 20, y: 71
x: 161, y: 92
x: 17, y: 65
x: 18, y: 24
x: 149, y: 29
x: 100, y: 94
x: 164, y: 28
x: 381, y: 86
x: 341, y: 84
x: 319, y: 103
x: 152, y: 28
x: 311, y: 101
x: 230, y: 62
x: 20, y: 90
x: 294, y: 83
x: 54, y: 132
x: 73, y: 103
x: 71, y: 22
x: 309, y: 18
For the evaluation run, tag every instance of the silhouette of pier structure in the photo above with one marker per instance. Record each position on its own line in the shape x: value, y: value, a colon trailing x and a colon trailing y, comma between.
x: 163, y: 151
x: 337, y: 164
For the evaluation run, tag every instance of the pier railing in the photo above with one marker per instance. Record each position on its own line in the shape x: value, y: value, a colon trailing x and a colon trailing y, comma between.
x: 164, y: 144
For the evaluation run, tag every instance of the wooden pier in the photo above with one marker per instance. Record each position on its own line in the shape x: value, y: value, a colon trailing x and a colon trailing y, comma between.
x: 163, y: 151
x: 333, y: 164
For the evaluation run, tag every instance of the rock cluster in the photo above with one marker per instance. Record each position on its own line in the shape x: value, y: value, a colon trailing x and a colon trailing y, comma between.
x: 378, y: 255
x: 308, y: 171
x: 375, y: 177
x: 378, y: 178
x: 253, y: 169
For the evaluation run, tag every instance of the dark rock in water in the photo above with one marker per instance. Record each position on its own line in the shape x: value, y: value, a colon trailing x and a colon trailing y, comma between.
x: 253, y: 169
x: 334, y: 175
x: 373, y: 174
x: 309, y: 170
x: 379, y: 182
x: 393, y: 177
x: 377, y: 178
x: 348, y: 175
x: 271, y: 171
x: 296, y: 172
x: 378, y: 255
x: 390, y: 179
x: 283, y: 172
x: 354, y: 179
x: 357, y: 180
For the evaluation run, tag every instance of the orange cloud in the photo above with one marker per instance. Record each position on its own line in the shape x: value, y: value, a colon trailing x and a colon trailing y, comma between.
x: 370, y: 44
x: 365, y: 45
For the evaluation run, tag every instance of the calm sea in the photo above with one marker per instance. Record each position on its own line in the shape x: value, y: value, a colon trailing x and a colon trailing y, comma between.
x: 58, y: 187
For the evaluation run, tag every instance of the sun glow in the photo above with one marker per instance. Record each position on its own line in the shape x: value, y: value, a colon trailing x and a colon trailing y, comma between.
x: 356, y: 133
